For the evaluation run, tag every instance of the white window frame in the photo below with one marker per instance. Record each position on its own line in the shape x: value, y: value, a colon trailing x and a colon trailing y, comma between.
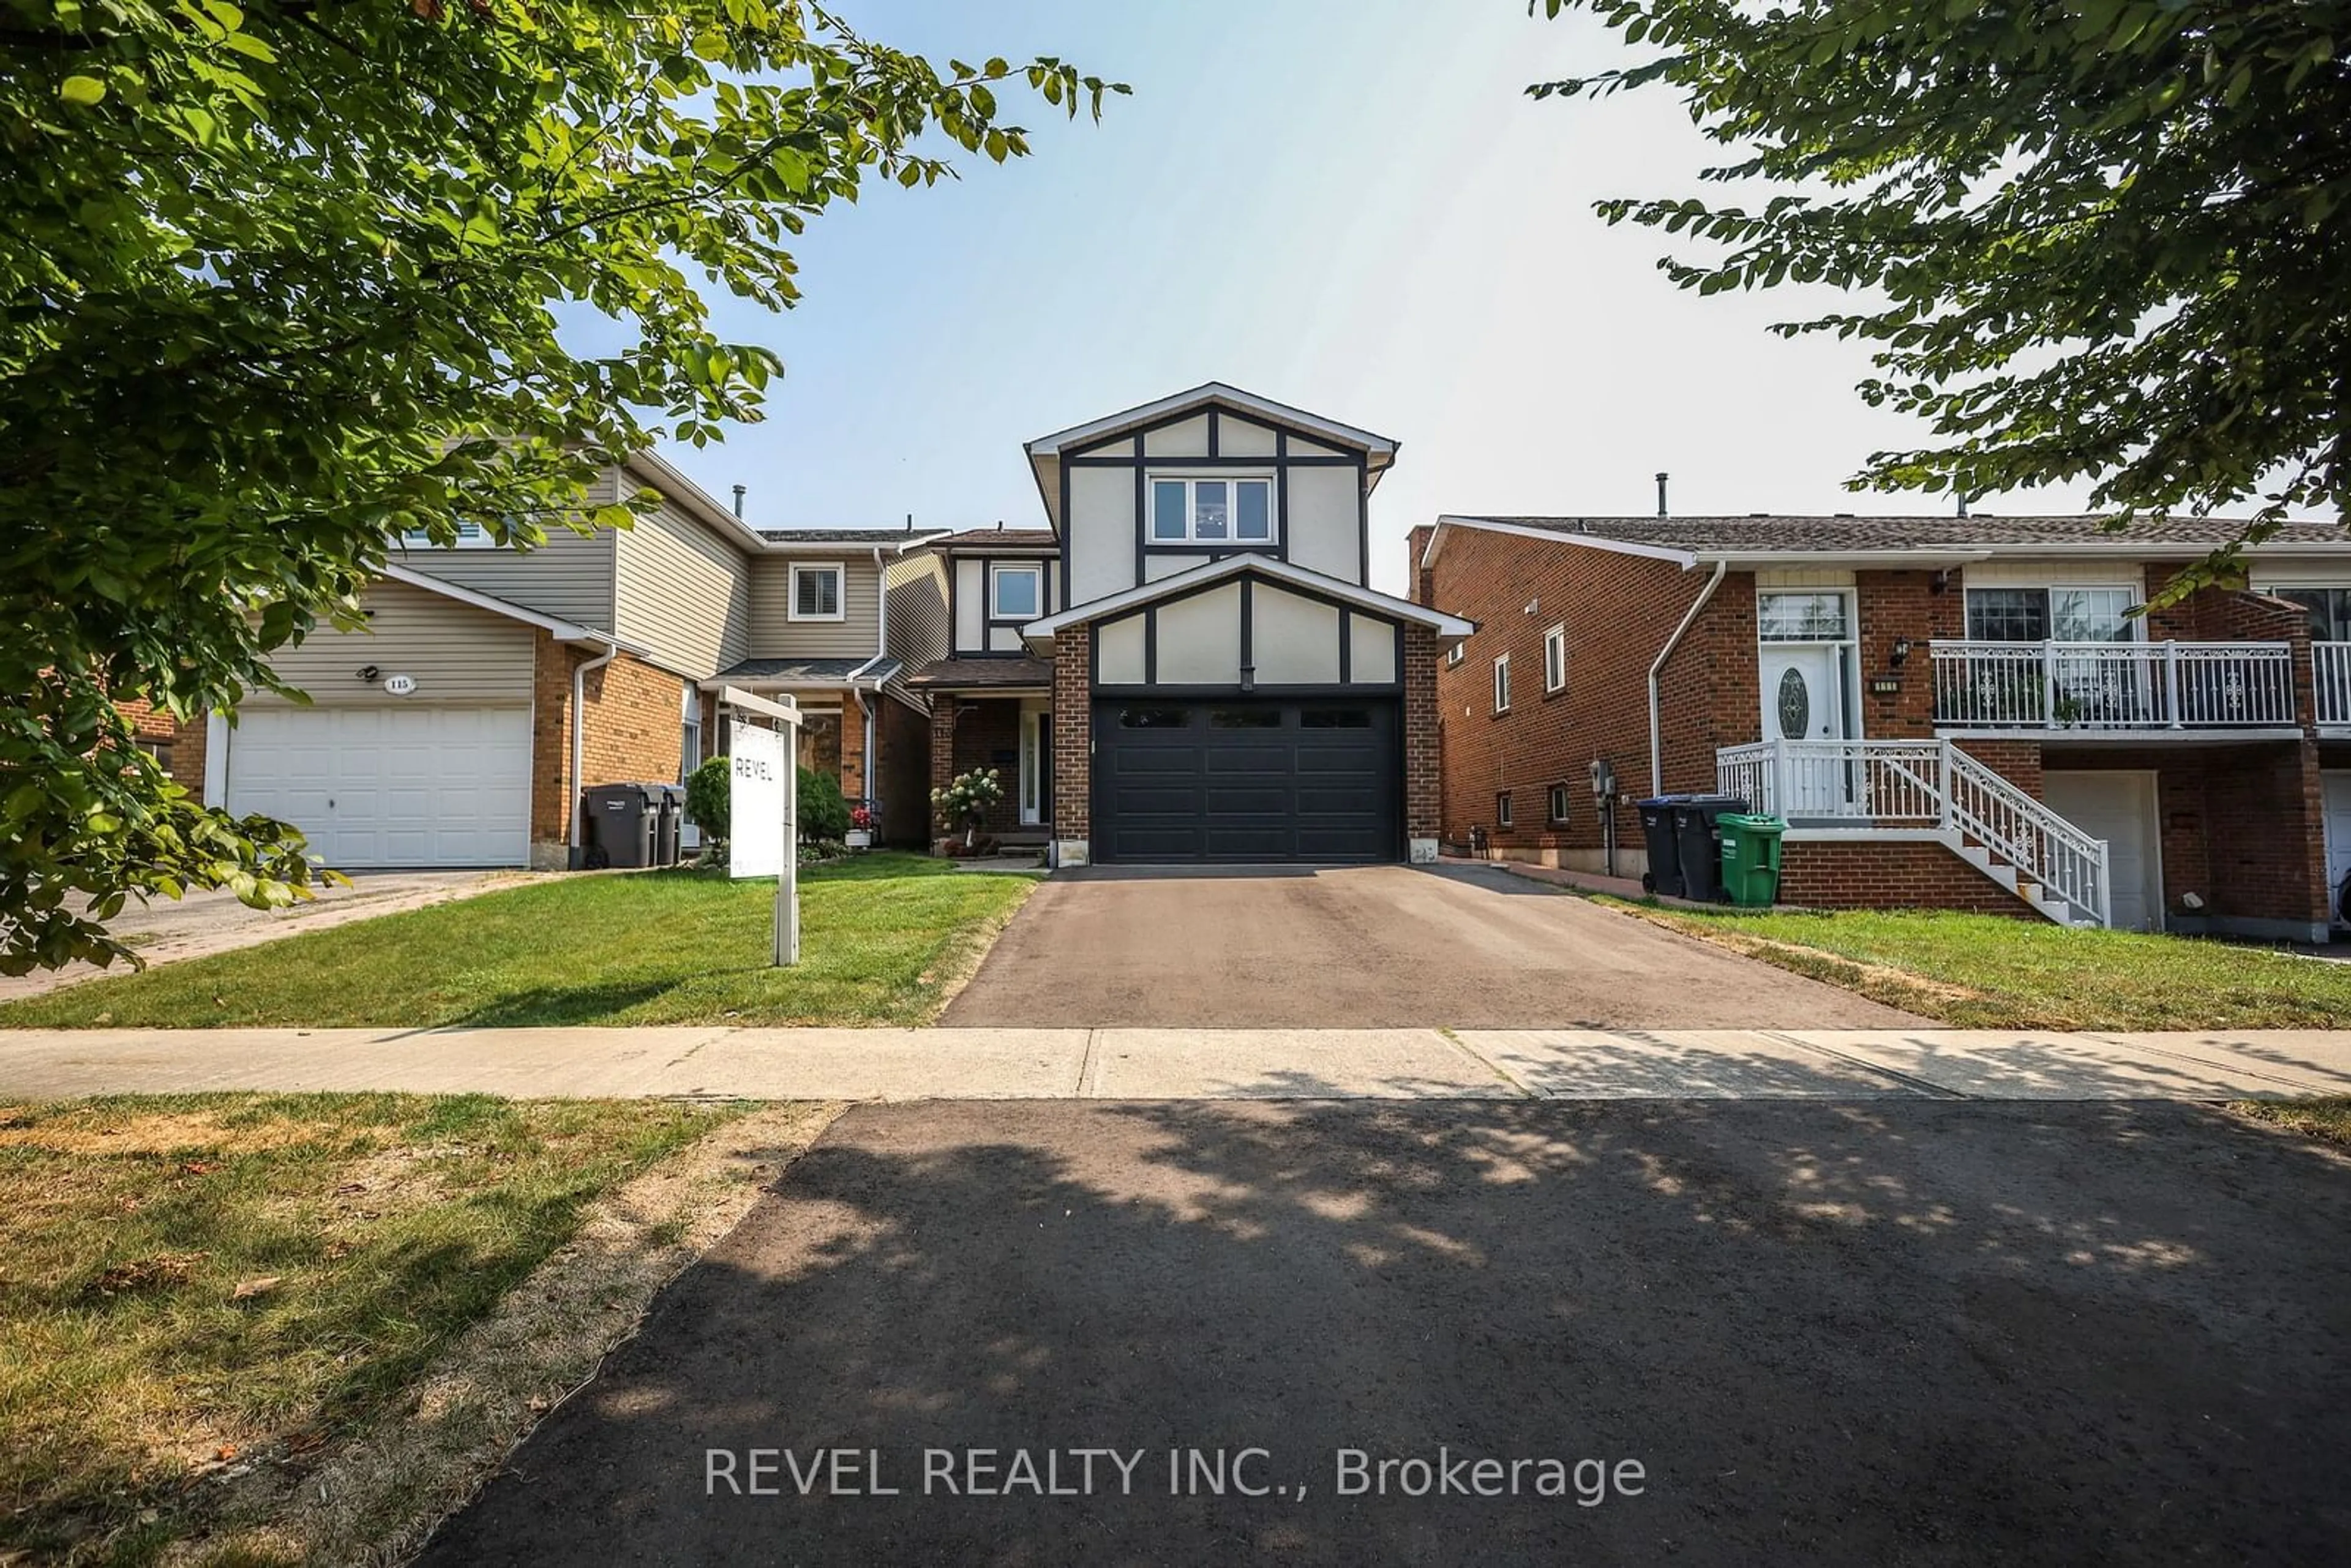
x: 2134, y: 624
x: 1455, y: 653
x: 1502, y: 684
x: 1191, y: 482
x: 1555, y: 661
x: 1502, y: 812
x: 839, y: 590
x: 1560, y: 793
x: 998, y: 570
x: 470, y: 536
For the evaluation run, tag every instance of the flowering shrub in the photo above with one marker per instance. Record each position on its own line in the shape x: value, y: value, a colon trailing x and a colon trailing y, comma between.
x: 966, y: 799
x: 861, y: 819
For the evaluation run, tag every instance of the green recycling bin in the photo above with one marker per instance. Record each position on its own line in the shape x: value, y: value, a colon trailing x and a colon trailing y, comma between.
x: 1751, y: 859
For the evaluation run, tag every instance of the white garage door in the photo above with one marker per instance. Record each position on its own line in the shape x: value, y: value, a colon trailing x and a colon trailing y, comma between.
x: 2119, y: 806
x: 390, y: 785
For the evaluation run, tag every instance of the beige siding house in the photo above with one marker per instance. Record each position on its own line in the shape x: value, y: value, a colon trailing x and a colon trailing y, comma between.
x: 492, y: 685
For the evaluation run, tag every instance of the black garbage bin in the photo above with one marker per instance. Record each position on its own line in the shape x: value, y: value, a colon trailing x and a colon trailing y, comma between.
x: 1664, y: 873
x: 1700, y: 841
x: 670, y: 815
x: 620, y: 825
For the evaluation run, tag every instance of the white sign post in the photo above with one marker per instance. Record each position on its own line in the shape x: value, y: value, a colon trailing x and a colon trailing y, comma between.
x: 763, y: 806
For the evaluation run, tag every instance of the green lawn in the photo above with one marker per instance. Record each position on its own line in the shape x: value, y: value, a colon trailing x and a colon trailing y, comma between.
x: 195, y: 1282
x: 1982, y: 971
x: 882, y: 938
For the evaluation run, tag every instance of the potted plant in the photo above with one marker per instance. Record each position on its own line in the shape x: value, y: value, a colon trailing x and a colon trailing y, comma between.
x: 861, y: 828
x: 964, y: 803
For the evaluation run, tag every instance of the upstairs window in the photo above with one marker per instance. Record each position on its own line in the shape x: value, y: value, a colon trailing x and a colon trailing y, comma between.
x: 816, y: 592
x: 1555, y: 659
x: 1230, y: 509
x: 470, y: 536
x: 1502, y: 684
x: 1455, y: 653
x: 2330, y: 611
x: 2059, y: 615
x: 1015, y: 593
x: 1503, y: 809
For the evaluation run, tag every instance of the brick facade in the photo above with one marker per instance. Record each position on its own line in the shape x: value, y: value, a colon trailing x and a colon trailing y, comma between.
x: 632, y: 730
x: 1424, y: 759
x: 1073, y: 744
x: 971, y: 734
x: 179, y: 744
x: 2241, y: 823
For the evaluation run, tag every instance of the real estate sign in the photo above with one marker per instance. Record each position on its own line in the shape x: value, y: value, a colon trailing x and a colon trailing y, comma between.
x: 763, y: 807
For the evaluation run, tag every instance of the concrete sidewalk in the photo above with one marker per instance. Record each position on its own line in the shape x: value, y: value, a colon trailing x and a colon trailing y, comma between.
x: 1189, y: 1063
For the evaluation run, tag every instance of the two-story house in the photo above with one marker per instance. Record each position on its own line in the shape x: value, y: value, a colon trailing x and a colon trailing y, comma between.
x: 1969, y: 712
x: 1186, y: 664
x: 492, y: 684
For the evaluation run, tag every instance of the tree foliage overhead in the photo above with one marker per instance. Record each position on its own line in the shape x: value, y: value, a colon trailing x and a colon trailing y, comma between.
x: 280, y: 282
x: 2106, y: 238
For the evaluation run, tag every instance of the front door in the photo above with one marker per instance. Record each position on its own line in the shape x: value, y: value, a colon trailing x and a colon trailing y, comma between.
x: 1803, y: 699
x: 1032, y: 766
x: 2339, y: 837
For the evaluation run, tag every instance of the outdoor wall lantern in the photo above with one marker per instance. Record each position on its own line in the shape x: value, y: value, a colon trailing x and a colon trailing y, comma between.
x: 1901, y: 652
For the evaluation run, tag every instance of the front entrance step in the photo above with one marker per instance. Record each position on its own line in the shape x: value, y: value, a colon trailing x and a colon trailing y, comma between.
x: 2042, y: 901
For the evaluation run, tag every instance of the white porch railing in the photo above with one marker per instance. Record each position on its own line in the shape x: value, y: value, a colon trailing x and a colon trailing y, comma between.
x: 2331, y: 663
x: 1864, y: 785
x: 2114, y: 686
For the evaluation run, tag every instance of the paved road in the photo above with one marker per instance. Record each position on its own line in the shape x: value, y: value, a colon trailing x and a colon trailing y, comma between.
x: 1368, y: 947
x: 1868, y: 1333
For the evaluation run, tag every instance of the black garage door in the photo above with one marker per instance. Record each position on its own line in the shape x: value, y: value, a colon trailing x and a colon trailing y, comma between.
x: 1245, y: 779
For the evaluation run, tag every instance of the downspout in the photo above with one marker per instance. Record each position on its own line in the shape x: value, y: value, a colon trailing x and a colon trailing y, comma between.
x: 579, y: 734
x: 880, y: 651
x: 1657, y: 667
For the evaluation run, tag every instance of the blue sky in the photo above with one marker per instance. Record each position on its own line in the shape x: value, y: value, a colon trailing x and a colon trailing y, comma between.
x: 1346, y: 204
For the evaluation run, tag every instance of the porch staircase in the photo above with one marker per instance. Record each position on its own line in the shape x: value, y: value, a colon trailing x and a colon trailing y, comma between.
x: 1887, y: 790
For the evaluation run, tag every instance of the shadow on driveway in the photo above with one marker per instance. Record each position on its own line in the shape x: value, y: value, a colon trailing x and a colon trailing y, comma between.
x: 1867, y: 1333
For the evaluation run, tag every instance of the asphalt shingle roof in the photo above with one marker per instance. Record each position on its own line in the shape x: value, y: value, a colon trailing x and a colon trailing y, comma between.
x: 1008, y: 539
x: 1858, y: 534
x: 804, y: 669
x: 844, y: 535
x: 953, y: 674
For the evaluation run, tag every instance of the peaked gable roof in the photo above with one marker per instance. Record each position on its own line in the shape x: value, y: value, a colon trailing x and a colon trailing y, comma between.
x: 1268, y: 569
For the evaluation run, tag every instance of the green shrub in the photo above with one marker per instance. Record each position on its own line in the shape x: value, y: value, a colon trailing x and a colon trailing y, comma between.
x: 823, y: 813
x: 706, y: 796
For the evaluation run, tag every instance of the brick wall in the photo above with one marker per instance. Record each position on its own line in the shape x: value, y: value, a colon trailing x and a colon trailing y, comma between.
x: 631, y: 729
x: 1424, y: 777
x: 1072, y: 736
x: 182, y: 745
x: 1817, y: 875
x: 988, y: 734
x: 1894, y: 605
x: 1618, y: 610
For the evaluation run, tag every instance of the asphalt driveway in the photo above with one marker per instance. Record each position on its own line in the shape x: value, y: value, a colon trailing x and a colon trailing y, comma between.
x: 1368, y: 947
x: 1880, y: 1334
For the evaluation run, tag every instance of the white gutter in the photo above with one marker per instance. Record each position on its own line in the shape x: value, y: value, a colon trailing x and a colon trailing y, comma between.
x: 578, y: 726
x: 1657, y: 667
x: 881, y: 652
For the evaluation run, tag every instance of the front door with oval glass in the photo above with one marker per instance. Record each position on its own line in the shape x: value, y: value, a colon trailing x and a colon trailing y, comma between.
x: 1804, y: 659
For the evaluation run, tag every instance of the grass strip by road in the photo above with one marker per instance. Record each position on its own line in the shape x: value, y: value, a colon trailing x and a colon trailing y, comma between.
x: 886, y: 939
x: 1984, y: 971
x: 195, y: 1287
x: 2328, y: 1121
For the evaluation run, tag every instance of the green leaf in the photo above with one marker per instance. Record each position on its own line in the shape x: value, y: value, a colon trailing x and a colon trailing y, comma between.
x: 81, y: 89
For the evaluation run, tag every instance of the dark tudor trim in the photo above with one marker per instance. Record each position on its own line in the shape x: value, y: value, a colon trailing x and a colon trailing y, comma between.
x: 1127, y: 451
x: 989, y: 620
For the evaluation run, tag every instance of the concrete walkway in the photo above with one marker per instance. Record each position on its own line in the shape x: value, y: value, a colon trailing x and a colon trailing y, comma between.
x: 1190, y: 1063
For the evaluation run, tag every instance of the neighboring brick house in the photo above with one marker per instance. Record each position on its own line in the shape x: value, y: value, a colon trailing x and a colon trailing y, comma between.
x: 1185, y: 664
x: 492, y: 684
x: 1954, y: 712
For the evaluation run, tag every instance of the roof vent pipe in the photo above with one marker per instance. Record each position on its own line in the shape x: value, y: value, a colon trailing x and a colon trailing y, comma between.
x: 1963, y: 503
x: 910, y: 522
x: 738, y: 503
x: 1662, y: 478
